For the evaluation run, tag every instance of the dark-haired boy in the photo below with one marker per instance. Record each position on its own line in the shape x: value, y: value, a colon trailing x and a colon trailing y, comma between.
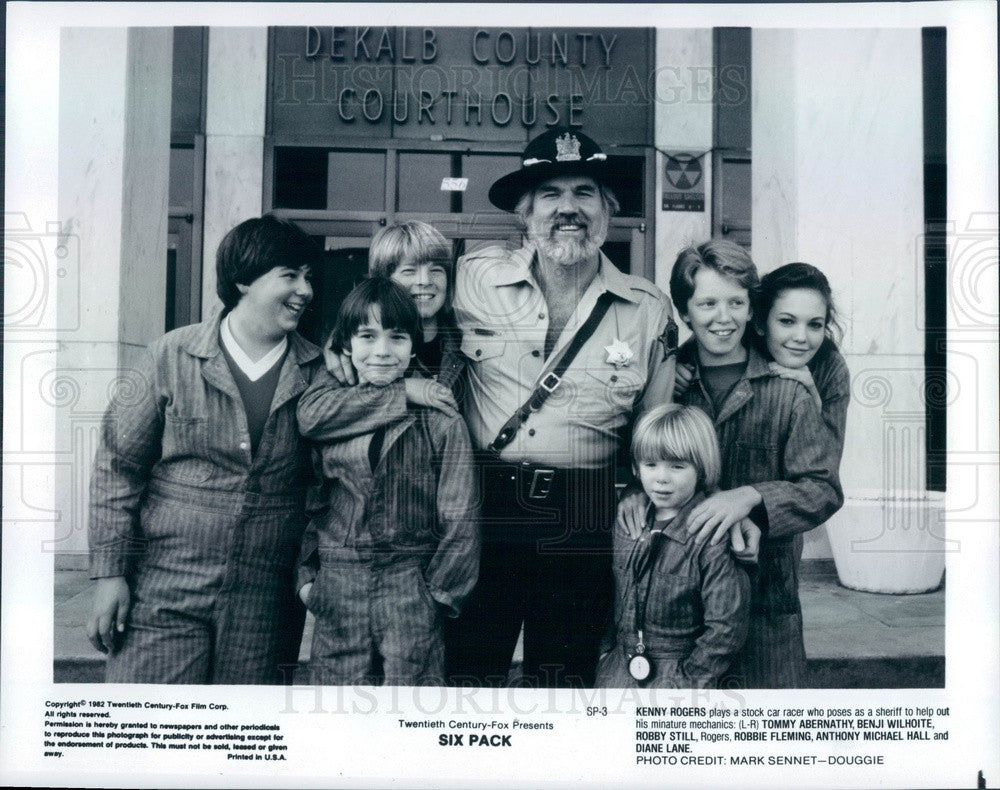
x: 395, y: 547
x: 197, y: 494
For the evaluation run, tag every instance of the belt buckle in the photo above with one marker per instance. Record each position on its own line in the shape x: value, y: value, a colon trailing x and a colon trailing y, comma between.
x: 541, y: 483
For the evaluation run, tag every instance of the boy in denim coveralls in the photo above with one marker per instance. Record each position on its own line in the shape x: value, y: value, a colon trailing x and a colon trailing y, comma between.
x: 395, y: 545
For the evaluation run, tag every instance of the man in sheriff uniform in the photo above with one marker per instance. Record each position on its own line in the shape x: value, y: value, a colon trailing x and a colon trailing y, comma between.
x: 563, y: 352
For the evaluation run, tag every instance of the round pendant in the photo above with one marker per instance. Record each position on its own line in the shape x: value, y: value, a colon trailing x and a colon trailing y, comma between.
x: 639, y: 667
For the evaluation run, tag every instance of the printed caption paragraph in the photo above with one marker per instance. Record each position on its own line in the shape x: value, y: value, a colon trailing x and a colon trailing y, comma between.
x: 686, y: 736
x: 105, y: 724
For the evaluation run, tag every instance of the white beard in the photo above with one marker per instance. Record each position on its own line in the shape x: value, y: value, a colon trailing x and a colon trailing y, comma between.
x: 567, y: 252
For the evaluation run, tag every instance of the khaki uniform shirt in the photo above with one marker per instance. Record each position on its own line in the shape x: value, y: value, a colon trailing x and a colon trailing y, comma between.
x: 503, y: 316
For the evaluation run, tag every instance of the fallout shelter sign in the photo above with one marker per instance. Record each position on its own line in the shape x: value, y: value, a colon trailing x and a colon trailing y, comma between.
x: 683, y: 186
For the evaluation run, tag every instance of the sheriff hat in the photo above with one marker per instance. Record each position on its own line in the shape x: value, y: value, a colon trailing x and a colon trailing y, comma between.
x: 557, y: 152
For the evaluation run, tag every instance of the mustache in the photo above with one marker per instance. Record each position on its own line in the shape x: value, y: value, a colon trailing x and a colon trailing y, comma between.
x: 568, y: 250
x: 568, y: 219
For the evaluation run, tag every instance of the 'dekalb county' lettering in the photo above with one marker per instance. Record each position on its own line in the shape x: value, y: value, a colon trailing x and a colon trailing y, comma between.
x: 373, y: 45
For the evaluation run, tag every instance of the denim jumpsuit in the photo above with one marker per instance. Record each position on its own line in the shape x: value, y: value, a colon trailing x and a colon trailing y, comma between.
x: 773, y: 439
x: 695, y: 600
x: 391, y: 549
x: 205, y: 533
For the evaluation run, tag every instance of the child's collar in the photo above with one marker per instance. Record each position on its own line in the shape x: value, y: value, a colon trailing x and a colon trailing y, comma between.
x: 676, y: 528
x: 756, y: 365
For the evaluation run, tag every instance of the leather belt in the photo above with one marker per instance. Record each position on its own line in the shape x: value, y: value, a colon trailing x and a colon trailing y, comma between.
x: 536, y: 482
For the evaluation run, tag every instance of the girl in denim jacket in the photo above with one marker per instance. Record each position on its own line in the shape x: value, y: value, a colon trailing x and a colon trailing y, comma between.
x: 797, y: 324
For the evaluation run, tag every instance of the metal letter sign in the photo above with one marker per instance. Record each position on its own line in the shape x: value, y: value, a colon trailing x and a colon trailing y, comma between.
x: 683, y: 189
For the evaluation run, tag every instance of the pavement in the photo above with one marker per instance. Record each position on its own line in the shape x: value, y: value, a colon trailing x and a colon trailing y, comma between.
x: 853, y: 639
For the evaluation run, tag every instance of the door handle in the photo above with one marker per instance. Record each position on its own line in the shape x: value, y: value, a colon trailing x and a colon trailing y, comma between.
x: 733, y: 227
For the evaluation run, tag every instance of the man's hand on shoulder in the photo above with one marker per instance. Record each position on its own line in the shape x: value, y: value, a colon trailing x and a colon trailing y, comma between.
x: 431, y: 394
x: 339, y: 366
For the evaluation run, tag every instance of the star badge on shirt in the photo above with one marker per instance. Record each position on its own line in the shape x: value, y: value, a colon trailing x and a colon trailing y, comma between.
x: 619, y: 354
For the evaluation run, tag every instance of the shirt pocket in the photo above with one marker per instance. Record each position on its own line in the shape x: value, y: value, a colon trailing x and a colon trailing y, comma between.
x: 282, y: 457
x: 674, y: 601
x: 341, y: 523
x: 600, y: 394
x: 411, y: 518
x: 623, y: 548
x: 756, y: 460
x: 185, y: 446
x: 480, y: 343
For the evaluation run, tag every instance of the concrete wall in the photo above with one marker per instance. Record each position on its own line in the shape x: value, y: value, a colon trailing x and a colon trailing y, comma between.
x: 114, y: 149
x: 234, y: 145
x: 114, y: 154
x: 838, y: 182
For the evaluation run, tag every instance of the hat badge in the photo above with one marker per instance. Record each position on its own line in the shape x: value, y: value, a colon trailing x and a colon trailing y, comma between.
x: 567, y: 148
